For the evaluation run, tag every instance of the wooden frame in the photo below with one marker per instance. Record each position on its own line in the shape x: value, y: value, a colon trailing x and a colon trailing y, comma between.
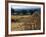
x: 6, y: 17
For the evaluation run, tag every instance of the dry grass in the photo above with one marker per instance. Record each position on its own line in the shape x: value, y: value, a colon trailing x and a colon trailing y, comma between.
x: 26, y: 22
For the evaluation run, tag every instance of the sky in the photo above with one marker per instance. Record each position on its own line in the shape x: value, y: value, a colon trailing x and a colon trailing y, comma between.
x: 23, y: 7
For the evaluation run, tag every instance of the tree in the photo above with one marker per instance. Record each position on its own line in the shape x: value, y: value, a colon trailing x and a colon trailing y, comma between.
x: 31, y: 12
x: 12, y: 11
x: 24, y: 11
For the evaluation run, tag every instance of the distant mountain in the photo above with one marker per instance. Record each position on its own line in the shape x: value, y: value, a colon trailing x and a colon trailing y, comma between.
x: 24, y: 11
